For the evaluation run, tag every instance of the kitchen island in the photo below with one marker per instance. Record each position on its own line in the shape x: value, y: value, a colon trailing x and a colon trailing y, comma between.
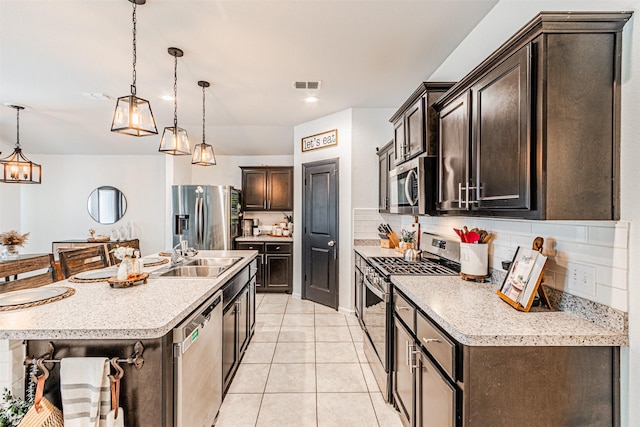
x: 463, y: 357
x: 100, y: 321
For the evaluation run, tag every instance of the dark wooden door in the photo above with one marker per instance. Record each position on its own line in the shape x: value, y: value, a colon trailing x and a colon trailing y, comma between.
x: 254, y: 189
x: 453, y: 165
x: 403, y: 379
x: 320, y: 232
x: 399, y: 141
x: 277, y: 272
x: 280, y: 190
x: 414, y: 119
x: 501, y: 115
x: 385, y: 160
x: 435, y: 397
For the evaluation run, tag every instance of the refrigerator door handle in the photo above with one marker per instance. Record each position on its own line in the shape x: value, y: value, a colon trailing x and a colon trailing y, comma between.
x: 201, y: 222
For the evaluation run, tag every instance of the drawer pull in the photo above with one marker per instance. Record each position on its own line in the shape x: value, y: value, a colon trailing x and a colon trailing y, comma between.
x: 277, y: 248
x: 402, y: 308
x: 428, y: 340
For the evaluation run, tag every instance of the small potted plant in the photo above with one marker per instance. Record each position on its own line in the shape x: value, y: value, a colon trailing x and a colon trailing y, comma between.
x: 12, y: 409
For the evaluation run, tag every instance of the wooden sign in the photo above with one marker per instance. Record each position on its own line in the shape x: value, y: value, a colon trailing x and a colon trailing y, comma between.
x: 320, y: 140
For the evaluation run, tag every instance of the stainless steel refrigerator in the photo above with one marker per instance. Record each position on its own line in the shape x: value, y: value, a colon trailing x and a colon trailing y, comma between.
x: 207, y: 216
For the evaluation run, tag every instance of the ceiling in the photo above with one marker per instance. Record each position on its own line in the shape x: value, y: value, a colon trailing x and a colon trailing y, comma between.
x: 366, y: 53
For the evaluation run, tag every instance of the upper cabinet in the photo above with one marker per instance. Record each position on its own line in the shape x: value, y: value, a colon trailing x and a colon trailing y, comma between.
x: 267, y: 188
x: 415, y: 123
x: 385, y: 163
x: 533, y: 131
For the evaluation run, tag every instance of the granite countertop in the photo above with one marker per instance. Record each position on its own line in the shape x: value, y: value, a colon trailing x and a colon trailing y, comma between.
x: 264, y: 238
x: 97, y: 311
x: 474, y: 315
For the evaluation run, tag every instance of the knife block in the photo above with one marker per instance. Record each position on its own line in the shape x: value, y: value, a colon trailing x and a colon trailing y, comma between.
x: 386, y: 243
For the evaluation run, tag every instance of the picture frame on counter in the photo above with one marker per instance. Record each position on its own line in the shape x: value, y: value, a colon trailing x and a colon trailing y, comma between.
x: 523, y: 280
x: 320, y: 140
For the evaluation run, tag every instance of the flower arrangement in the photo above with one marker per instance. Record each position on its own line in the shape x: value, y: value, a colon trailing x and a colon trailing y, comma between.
x: 122, y: 252
x: 288, y: 218
x: 13, y: 238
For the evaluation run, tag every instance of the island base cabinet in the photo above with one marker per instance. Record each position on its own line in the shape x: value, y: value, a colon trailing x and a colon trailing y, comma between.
x: 145, y: 394
x: 435, y: 396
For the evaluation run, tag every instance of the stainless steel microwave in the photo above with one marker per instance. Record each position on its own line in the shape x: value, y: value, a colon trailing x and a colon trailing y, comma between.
x: 412, y: 187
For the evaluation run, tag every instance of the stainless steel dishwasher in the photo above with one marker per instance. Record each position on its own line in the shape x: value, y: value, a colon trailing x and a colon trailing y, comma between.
x: 197, y: 365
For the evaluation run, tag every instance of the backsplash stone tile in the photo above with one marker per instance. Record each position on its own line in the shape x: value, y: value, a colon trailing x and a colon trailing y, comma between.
x: 603, y: 245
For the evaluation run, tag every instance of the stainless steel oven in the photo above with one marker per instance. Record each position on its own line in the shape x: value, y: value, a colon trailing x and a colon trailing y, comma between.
x: 374, y: 297
x: 412, y: 187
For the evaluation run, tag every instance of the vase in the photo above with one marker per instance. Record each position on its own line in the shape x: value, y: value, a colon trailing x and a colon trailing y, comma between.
x: 9, y: 252
x: 124, y: 269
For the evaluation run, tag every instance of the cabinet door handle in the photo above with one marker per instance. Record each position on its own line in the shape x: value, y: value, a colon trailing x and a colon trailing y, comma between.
x: 407, y: 361
x: 460, y: 195
x: 428, y: 340
x: 402, y: 308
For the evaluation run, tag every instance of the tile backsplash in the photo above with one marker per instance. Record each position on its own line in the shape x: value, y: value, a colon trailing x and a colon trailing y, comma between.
x: 588, y: 259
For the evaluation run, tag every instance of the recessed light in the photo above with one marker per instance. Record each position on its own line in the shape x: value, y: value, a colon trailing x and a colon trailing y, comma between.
x: 311, y: 99
x: 167, y: 97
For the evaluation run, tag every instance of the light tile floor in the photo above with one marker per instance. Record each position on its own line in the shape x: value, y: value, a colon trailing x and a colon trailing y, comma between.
x: 304, y: 367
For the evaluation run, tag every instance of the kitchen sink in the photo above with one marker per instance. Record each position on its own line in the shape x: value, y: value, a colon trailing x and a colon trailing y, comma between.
x: 191, y: 271
x: 212, y: 262
x: 199, y: 267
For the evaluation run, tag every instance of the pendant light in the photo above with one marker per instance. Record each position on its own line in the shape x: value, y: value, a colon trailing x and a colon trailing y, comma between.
x: 133, y: 115
x: 174, y: 139
x: 17, y: 168
x: 203, y: 153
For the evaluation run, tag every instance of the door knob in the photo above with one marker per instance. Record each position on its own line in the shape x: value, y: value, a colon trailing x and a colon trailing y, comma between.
x: 331, y: 243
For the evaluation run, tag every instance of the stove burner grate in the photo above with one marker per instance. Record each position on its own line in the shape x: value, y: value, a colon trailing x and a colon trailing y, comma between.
x: 399, y: 266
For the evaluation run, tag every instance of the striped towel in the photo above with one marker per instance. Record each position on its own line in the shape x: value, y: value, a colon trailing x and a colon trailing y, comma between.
x: 84, y: 386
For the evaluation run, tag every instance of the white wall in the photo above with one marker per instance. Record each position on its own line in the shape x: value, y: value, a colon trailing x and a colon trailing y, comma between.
x: 371, y: 129
x: 499, y: 24
x: 57, y: 208
x: 342, y: 151
x: 360, y: 130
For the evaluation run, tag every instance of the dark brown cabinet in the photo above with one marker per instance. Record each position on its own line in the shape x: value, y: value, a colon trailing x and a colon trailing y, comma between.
x: 439, y: 382
x: 267, y: 188
x: 533, y: 131
x: 275, y: 266
x: 238, y: 321
x: 385, y: 162
x: 415, y: 124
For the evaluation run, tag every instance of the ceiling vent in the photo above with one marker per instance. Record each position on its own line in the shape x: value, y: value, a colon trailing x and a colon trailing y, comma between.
x: 308, y: 85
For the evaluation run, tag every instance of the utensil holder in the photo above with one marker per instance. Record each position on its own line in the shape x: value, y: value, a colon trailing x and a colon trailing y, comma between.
x: 474, y: 259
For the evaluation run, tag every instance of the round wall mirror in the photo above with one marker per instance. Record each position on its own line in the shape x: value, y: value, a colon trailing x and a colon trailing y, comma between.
x: 106, y: 205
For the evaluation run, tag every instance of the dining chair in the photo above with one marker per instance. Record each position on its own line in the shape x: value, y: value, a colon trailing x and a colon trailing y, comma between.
x: 74, y: 261
x: 29, y: 266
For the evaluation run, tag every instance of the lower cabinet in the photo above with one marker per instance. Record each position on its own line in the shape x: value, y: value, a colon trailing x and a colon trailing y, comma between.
x: 238, y: 322
x: 275, y: 266
x: 439, y: 382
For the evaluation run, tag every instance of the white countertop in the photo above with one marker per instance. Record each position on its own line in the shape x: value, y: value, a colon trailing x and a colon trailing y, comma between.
x: 264, y: 238
x: 474, y: 315
x: 97, y: 311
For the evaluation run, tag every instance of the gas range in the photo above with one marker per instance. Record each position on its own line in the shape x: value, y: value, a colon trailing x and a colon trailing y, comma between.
x: 387, y: 266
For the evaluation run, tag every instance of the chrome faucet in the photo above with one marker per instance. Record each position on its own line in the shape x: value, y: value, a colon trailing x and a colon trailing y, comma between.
x: 176, y: 257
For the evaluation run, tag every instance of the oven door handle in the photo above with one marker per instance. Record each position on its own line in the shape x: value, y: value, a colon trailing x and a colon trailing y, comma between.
x: 377, y: 292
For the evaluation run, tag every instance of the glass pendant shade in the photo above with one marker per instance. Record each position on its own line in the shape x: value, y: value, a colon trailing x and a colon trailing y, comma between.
x: 18, y: 169
x: 203, y: 155
x: 175, y: 141
x: 133, y: 116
